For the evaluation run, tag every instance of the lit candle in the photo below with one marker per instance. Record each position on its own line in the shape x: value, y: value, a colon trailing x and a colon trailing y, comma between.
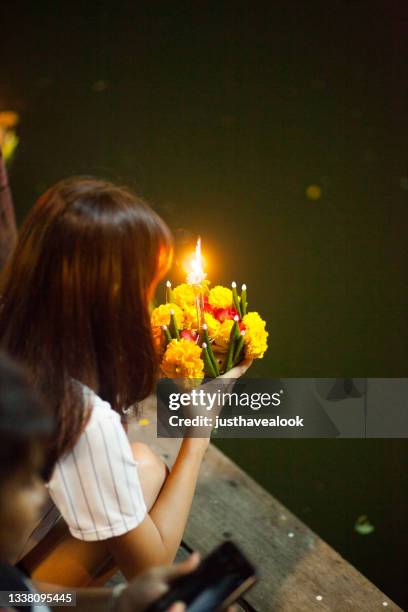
x: 195, y: 277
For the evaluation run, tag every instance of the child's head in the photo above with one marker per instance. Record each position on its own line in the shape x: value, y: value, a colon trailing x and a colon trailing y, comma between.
x: 23, y: 425
x: 76, y: 293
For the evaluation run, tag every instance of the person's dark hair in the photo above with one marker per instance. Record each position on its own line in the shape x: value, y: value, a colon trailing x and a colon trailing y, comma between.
x: 75, y: 298
x: 24, y: 420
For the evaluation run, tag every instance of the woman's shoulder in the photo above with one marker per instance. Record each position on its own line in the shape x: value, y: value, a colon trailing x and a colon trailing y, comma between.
x: 96, y: 485
x: 101, y: 411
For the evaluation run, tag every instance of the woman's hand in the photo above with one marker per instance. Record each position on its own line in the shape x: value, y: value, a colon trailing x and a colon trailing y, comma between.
x: 154, y: 583
x: 238, y: 370
x: 147, y: 588
x: 201, y: 406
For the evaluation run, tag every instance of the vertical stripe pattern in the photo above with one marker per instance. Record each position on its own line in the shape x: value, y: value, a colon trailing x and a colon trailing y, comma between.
x: 96, y: 486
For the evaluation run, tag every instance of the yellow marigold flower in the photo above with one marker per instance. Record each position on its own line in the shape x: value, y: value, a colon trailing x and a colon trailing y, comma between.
x: 255, y: 336
x: 183, y: 295
x: 161, y: 315
x: 182, y: 359
x: 221, y: 338
x: 190, y: 317
x: 220, y: 297
x: 212, y: 324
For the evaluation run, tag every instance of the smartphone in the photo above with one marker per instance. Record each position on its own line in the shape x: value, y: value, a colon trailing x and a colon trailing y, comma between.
x: 217, y: 582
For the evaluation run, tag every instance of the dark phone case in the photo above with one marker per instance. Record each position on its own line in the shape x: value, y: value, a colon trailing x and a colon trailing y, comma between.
x: 224, y: 572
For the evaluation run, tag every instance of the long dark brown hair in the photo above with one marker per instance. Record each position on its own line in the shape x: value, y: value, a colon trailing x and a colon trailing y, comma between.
x: 75, y: 298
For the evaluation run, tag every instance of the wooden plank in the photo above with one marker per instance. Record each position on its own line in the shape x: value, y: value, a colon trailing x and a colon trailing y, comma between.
x: 299, y: 571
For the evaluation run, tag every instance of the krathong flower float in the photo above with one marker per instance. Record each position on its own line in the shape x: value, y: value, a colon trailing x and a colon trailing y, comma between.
x: 202, y: 332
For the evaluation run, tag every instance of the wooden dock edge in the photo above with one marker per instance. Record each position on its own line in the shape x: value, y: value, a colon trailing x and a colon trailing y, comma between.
x: 299, y: 571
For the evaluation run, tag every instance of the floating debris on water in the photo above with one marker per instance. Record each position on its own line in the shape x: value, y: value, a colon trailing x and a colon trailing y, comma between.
x: 313, y: 192
x: 99, y: 86
x: 363, y: 525
x: 404, y: 183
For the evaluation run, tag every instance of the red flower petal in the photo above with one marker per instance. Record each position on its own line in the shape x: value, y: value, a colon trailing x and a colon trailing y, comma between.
x: 224, y: 314
x: 188, y: 335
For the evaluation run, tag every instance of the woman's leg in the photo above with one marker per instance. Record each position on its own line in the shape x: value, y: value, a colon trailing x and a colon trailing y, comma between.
x: 71, y: 562
x: 62, y: 559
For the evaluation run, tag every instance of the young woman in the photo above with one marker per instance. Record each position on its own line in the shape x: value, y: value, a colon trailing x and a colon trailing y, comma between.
x: 75, y: 311
x: 25, y: 426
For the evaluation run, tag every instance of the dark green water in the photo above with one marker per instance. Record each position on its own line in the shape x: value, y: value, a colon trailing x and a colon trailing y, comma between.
x: 222, y: 114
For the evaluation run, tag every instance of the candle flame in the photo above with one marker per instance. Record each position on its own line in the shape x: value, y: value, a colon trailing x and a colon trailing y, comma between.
x: 196, y: 274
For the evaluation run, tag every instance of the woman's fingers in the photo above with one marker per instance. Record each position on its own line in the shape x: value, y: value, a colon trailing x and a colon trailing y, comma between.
x: 187, y: 566
x: 170, y: 573
x: 179, y: 606
x: 154, y: 583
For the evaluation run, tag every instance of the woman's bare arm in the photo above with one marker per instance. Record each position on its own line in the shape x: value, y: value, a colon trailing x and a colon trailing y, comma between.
x: 156, y: 540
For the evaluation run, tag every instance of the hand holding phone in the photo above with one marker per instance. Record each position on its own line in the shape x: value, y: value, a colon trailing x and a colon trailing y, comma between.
x: 216, y: 583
